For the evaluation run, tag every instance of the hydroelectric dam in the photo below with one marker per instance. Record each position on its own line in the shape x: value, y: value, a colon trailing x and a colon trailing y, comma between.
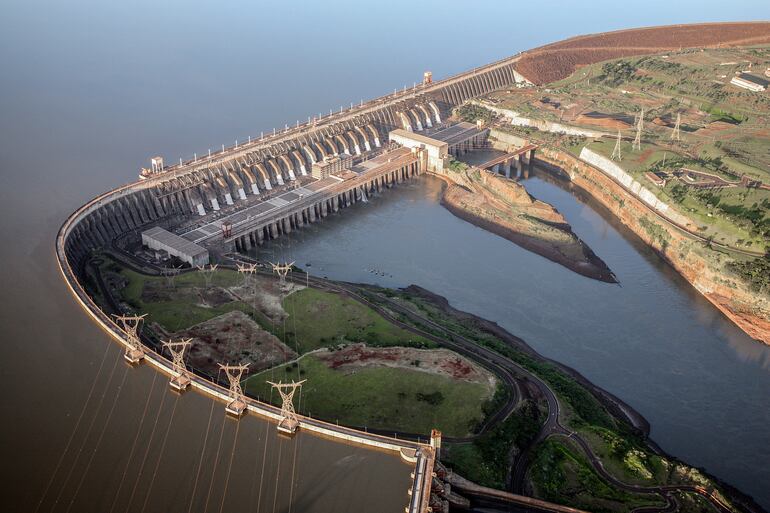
x: 237, y: 197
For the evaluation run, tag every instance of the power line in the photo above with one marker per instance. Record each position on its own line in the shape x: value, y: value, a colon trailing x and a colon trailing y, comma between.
x: 87, y: 436
x: 229, y: 467
x: 200, y: 460
x: 146, y: 453
x: 289, y: 422
x: 136, y: 439
x: 234, y: 373
x: 98, y: 441
x: 616, y: 151
x: 160, y: 454
x: 639, y: 126
x: 74, y: 430
x: 214, y: 467
x: 675, y: 135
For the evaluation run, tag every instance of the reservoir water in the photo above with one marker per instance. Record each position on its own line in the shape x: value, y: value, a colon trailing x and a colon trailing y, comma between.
x: 90, y: 90
x: 652, y: 340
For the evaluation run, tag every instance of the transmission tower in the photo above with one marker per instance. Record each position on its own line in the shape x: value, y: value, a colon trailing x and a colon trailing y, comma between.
x: 675, y: 136
x: 246, y: 271
x: 208, y: 273
x: 639, y: 126
x: 237, y: 405
x: 177, y: 349
x: 170, y: 274
x: 616, y: 152
x: 130, y: 324
x: 289, y: 422
x: 282, y: 270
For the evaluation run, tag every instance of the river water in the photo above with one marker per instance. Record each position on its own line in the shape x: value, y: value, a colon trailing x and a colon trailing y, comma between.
x: 652, y: 340
x: 89, y: 90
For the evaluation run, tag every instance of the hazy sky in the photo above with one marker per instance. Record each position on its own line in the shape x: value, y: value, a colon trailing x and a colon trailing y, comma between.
x: 232, y: 69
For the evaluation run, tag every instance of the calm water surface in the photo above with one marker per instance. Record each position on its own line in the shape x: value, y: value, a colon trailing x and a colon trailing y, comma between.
x: 652, y: 340
x: 89, y: 90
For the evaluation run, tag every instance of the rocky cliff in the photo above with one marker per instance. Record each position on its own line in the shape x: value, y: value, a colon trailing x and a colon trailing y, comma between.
x: 703, y: 267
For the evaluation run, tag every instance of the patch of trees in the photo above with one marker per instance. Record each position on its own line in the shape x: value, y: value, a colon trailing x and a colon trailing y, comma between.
x: 755, y: 215
x: 520, y: 428
x: 678, y: 192
x: 718, y: 114
x: 456, y: 165
x: 615, y: 73
x: 755, y: 272
x: 472, y: 113
x: 664, y: 66
x: 657, y: 233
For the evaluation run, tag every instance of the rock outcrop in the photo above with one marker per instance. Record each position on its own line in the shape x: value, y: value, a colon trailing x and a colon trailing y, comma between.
x: 504, y: 207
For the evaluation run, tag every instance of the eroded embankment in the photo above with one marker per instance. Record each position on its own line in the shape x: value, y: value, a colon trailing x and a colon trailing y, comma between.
x: 699, y: 265
x: 504, y: 207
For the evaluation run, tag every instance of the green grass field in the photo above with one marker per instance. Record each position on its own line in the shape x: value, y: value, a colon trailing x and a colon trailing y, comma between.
x: 713, y: 222
x: 561, y: 474
x: 379, y: 397
x: 319, y: 319
x: 181, y: 312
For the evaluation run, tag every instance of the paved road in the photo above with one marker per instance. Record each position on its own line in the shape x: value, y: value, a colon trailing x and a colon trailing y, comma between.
x: 510, y: 372
x: 551, y: 427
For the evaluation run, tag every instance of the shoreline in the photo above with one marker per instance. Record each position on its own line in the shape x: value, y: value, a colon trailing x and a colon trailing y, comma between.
x: 594, y: 268
x: 607, y: 193
x: 617, y: 408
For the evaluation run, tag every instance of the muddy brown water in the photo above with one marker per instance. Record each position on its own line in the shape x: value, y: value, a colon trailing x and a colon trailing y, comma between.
x: 90, y: 90
x: 652, y: 340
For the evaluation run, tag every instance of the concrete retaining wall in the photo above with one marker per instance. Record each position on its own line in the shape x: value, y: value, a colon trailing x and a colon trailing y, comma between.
x: 616, y: 172
x: 516, y: 119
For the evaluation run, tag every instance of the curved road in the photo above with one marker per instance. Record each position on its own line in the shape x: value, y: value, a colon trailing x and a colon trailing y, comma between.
x: 551, y: 427
x: 507, y: 370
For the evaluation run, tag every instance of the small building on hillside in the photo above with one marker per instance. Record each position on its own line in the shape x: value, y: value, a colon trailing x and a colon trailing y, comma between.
x: 658, y: 179
x: 750, y: 82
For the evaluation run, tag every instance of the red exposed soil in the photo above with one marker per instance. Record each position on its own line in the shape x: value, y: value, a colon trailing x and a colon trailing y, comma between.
x: 437, y: 361
x: 604, y: 122
x: 714, y: 128
x: 645, y: 155
x: 557, y: 61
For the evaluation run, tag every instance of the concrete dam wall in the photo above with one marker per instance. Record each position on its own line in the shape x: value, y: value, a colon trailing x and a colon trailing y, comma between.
x: 266, y: 170
x: 204, y: 185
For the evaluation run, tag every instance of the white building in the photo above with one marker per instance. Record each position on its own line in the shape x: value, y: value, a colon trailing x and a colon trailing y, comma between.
x: 157, y: 238
x: 750, y: 82
x: 438, y: 151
